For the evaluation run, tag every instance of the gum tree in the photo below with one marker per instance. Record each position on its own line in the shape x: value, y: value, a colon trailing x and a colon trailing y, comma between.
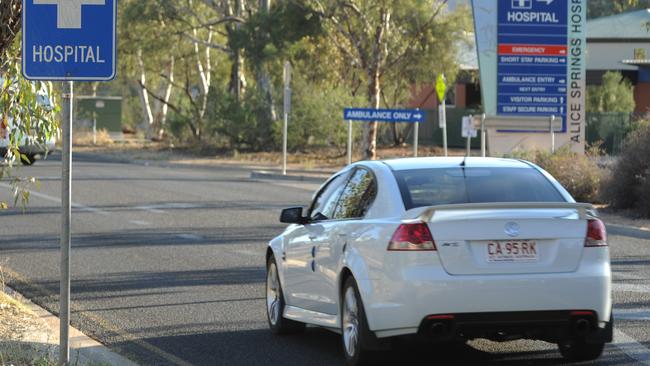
x: 26, y: 114
x: 399, y: 40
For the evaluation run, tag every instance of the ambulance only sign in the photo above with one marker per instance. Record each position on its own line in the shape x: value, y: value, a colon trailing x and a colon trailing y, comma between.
x: 69, y: 40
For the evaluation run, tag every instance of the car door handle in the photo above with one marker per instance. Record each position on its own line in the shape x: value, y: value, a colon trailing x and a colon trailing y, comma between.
x: 312, y: 236
x: 343, y: 235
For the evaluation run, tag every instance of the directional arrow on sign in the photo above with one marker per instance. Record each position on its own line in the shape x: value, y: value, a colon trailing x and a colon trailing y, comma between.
x: 417, y: 116
x: 548, y: 2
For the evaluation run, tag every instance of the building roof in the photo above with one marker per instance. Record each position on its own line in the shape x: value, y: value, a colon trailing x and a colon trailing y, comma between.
x: 624, y: 26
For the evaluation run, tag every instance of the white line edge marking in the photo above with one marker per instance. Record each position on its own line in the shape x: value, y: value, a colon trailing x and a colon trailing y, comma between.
x: 631, y: 347
x: 58, y: 200
x: 630, y: 287
x: 139, y: 223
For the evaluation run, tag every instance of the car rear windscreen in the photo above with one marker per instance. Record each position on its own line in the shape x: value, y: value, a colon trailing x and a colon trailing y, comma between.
x: 442, y: 186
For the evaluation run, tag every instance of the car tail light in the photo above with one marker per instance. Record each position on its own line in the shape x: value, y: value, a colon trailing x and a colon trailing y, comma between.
x: 596, y: 234
x: 412, y: 236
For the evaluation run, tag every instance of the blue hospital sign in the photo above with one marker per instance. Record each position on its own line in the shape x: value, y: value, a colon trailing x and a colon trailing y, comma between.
x: 69, y: 39
x: 534, y: 58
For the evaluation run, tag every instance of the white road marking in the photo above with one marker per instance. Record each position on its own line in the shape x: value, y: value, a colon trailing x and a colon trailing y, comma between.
x: 622, y: 276
x: 630, y: 287
x: 151, y: 209
x: 631, y: 347
x: 139, y: 223
x: 251, y: 253
x: 57, y: 200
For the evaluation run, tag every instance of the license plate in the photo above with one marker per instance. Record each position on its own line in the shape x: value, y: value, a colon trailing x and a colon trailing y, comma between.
x: 511, y: 251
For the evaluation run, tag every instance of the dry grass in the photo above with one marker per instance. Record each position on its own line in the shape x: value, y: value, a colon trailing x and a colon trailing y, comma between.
x: 317, y: 159
x: 85, y: 138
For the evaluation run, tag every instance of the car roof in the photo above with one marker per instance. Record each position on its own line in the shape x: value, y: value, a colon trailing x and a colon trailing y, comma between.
x: 448, y: 162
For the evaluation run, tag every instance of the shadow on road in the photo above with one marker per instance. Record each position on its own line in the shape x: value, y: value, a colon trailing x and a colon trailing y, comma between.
x: 320, y: 347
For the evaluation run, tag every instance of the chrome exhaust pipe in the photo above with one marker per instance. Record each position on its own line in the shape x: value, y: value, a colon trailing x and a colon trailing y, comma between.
x: 582, y: 327
x: 439, y: 329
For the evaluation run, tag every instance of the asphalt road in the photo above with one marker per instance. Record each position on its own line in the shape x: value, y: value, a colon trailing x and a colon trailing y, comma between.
x: 168, y: 269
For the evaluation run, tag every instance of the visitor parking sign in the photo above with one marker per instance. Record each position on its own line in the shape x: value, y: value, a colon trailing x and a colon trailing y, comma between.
x: 69, y: 40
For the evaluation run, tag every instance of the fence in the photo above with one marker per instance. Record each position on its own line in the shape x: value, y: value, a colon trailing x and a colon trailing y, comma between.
x: 610, y: 129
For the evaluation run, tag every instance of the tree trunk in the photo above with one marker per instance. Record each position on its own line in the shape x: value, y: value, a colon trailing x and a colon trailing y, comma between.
x: 370, y: 129
x: 237, y: 77
x: 162, y: 106
x: 144, y: 95
x: 264, y: 80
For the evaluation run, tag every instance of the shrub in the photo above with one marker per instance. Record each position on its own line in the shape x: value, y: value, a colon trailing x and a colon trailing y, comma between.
x: 628, y: 184
x: 578, y: 173
x: 316, y: 117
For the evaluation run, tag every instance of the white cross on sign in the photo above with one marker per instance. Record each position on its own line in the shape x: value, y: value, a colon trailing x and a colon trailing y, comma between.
x: 69, y: 11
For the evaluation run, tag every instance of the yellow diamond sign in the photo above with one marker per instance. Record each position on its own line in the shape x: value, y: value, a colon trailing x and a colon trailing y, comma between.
x: 441, y: 87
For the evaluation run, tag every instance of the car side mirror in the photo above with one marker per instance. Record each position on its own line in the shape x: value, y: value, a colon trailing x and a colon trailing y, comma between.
x: 292, y: 215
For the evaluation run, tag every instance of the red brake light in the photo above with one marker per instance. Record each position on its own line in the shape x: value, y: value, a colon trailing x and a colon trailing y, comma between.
x: 596, y: 234
x: 414, y: 236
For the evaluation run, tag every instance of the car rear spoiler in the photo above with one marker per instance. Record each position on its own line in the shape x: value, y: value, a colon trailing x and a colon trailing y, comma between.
x: 426, y: 213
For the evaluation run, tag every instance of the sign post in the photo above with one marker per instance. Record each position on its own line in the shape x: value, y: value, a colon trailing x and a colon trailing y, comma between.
x: 349, y: 142
x: 469, y: 131
x: 68, y: 41
x: 441, y: 89
x: 416, y: 138
x: 483, y: 137
x: 66, y: 216
x: 383, y: 115
x: 287, y: 109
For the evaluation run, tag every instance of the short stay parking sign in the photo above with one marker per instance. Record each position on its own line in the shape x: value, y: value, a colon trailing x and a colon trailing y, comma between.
x: 69, y: 40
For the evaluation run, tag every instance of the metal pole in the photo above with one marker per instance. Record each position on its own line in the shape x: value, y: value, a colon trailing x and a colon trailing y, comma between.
x: 66, y: 189
x: 94, y: 129
x: 469, y: 136
x: 285, y: 130
x: 483, y: 136
x: 416, y: 139
x: 552, y: 135
x: 349, y: 142
x: 444, y: 127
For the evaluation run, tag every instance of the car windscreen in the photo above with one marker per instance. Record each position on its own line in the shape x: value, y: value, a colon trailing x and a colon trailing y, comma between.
x: 441, y: 186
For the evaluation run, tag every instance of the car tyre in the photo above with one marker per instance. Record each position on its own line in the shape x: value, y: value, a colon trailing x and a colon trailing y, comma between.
x: 275, y: 303
x: 579, y: 350
x: 355, y: 333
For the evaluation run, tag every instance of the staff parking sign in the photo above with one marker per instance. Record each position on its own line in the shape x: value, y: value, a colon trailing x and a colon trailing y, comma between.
x: 69, y: 40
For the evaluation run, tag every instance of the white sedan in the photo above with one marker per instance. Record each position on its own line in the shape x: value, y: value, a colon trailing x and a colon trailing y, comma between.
x: 448, y: 249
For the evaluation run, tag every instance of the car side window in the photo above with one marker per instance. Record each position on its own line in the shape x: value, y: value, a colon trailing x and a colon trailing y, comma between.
x: 358, y: 195
x: 325, y: 202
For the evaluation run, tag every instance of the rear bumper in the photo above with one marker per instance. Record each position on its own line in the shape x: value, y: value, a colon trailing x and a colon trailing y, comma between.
x: 397, y: 302
x: 550, y: 326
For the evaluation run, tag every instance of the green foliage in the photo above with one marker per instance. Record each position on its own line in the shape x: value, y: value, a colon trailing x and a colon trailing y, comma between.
x: 316, y: 116
x: 578, y: 173
x: 238, y: 122
x: 601, y: 8
x: 628, y: 185
x: 267, y: 36
x: 27, y: 114
x: 616, y: 94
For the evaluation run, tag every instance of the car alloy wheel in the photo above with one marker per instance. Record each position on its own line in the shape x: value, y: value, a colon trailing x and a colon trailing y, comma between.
x: 273, y: 294
x: 350, y: 322
x: 275, y: 303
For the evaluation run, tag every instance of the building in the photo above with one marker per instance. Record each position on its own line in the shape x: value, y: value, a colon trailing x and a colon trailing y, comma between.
x: 621, y: 43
